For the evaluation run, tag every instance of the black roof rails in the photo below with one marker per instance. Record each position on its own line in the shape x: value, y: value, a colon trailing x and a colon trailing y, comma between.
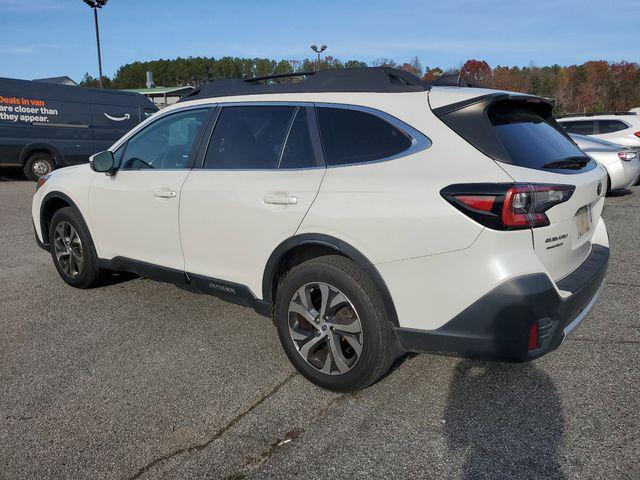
x: 369, y: 79
x: 593, y: 114
x: 279, y: 75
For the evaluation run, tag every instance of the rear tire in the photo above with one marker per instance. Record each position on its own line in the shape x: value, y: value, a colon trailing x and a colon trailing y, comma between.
x: 38, y: 165
x: 350, y: 346
x: 72, y: 250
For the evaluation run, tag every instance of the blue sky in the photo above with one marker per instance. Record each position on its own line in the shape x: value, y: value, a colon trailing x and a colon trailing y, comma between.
x: 56, y: 37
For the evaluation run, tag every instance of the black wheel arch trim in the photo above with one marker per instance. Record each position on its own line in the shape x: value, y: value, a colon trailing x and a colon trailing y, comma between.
x: 341, y: 247
x: 43, y: 224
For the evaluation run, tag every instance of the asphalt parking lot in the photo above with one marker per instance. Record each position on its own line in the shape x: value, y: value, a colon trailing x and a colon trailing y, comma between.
x: 142, y: 380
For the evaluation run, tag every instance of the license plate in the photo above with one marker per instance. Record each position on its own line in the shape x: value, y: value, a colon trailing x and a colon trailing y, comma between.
x: 583, y: 218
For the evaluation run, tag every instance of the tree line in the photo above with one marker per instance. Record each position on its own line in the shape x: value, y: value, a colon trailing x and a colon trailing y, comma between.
x: 593, y: 86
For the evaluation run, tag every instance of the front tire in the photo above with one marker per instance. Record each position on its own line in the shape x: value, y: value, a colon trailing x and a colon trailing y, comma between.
x: 72, y: 249
x: 38, y: 165
x: 331, y: 323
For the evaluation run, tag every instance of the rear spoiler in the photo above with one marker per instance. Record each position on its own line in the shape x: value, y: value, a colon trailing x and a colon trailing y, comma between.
x: 470, y: 120
x: 484, y: 101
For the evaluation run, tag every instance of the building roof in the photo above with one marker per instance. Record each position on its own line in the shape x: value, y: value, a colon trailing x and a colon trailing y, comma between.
x: 64, y: 80
x: 160, y: 90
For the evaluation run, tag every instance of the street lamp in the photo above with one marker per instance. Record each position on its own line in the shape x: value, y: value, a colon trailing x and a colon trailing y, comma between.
x: 95, y: 5
x: 318, y: 51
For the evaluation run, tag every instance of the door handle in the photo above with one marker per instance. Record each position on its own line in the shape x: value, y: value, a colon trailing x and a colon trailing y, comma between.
x: 280, y: 199
x: 164, y: 193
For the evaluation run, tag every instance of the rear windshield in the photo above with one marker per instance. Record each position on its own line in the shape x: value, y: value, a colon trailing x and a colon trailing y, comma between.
x: 518, y: 132
x: 529, y: 139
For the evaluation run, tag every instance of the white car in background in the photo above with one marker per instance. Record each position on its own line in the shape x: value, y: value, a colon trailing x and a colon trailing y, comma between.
x: 622, y: 128
x: 621, y: 163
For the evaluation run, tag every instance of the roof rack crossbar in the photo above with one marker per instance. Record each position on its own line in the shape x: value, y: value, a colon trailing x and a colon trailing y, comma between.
x: 279, y: 75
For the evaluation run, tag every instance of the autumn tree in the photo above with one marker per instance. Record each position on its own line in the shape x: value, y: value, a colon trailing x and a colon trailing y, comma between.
x: 477, y: 71
x: 431, y: 74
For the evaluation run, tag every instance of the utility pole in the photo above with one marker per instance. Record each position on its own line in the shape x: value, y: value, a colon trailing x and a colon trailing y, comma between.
x: 318, y: 51
x: 95, y: 5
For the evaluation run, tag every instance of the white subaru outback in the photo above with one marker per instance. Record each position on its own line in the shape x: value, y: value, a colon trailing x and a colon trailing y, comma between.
x: 367, y: 212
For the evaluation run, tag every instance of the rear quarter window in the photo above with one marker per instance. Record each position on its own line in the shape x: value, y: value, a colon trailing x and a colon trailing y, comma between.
x: 610, y: 126
x: 353, y: 136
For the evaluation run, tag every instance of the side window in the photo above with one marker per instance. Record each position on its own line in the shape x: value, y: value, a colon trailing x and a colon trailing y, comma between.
x: 147, y: 112
x: 353, y: 136
x: 167, y: 143
x: 249, y: 137
x: 610, y: 126
x: 301, y: 150
x: 580, y: 128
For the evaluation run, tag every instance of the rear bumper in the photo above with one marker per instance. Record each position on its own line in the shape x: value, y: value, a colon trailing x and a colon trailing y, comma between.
x: 497, y: 325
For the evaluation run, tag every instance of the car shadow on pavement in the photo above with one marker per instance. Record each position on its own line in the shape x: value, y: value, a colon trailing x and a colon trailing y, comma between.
x: 12, y: 175
x: 114, y: 278
x: 506, y: 420
x: 619, y: 193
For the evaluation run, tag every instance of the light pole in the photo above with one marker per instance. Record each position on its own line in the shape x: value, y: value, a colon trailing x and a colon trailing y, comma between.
x: 95, y: 5
x: 318, y: 51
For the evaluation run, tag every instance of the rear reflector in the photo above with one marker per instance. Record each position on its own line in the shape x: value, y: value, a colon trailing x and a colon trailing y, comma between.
x: 507, y: 206
x: 533, y: 336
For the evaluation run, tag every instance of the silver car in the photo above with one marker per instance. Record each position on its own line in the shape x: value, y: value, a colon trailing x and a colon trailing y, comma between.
x: 621, y: 163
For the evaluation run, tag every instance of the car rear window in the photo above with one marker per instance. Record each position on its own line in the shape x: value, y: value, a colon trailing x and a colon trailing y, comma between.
x: 580, y: 127
x: 529, y: 139
x: 610, y: 126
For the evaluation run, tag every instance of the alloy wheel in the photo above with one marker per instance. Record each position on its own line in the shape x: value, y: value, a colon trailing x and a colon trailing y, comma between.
x: 325, y: 328
x: 68, y: 249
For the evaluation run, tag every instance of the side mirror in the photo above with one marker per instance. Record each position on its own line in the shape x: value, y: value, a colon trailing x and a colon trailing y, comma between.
x: 102, y: 162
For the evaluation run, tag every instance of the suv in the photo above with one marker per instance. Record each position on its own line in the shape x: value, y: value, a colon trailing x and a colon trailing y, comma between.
x: 622, y: 128
x: 367, y: 212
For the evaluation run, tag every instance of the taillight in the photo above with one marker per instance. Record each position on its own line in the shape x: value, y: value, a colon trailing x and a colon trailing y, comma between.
x: 627, y: 156
x: 507, y: 206
x: 637, y: 134
x: 478, y: 202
